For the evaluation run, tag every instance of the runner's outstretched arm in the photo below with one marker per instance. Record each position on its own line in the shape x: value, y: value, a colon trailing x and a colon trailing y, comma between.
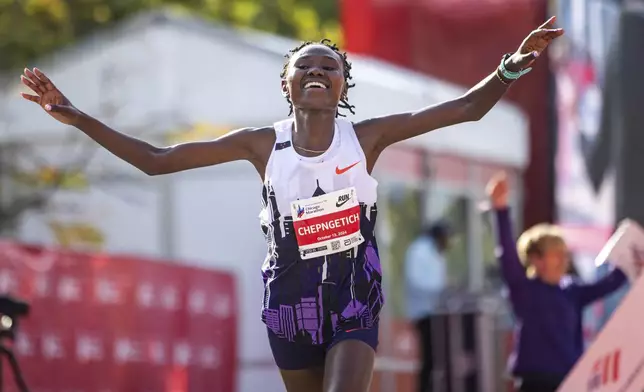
x: 149, y: 159
x: 472, y: 106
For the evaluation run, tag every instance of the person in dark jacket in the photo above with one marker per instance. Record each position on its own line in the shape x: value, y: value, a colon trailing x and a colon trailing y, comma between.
x: 546, y: 301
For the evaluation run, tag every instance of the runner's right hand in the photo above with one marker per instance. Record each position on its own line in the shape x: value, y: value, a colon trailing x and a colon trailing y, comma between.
x: 497, y: 190
x: 49, y: 97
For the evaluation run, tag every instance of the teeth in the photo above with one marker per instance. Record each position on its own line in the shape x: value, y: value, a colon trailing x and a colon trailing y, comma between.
x: 314, y: 84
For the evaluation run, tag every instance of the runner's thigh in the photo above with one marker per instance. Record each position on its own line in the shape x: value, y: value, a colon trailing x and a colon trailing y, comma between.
x: 306, y: 380
x: 349, y: 366
x: 301, y: 365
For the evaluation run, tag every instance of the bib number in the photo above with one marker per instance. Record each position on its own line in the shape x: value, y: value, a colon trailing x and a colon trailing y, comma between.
x: 327, y: 224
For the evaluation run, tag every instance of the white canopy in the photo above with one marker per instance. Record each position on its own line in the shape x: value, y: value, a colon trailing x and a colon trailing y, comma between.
x: 161, y: 71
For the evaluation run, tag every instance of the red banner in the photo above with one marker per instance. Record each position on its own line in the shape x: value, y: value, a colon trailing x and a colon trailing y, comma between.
x: 113, y: 323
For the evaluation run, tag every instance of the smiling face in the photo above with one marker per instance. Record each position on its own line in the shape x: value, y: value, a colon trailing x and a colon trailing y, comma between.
x: 315, y: 78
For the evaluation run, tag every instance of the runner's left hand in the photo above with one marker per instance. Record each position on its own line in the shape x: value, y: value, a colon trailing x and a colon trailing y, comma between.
x: 534, y: 44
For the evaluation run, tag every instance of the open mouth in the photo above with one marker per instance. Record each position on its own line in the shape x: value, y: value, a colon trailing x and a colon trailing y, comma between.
x: 315, y: 84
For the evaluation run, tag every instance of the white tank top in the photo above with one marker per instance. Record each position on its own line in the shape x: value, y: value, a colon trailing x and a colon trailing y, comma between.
x: 317, y: 200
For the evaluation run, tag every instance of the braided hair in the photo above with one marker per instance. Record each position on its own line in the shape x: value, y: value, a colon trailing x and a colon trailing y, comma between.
x: 344, y: 100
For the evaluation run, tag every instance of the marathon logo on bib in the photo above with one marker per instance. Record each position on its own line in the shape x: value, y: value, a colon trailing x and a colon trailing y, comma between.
x: 327, y: 224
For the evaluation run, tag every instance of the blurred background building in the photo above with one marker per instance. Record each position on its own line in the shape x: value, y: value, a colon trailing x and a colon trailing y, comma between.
x: 140, y: 283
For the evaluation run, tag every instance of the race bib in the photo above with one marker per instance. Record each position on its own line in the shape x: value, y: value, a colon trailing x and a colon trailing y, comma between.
x: 327, y: 224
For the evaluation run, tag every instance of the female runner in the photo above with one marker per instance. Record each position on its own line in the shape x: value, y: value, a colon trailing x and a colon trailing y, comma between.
x: 322, y: 273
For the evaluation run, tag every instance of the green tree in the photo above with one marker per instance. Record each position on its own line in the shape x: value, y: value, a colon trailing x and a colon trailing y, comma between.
x: 31, y: 28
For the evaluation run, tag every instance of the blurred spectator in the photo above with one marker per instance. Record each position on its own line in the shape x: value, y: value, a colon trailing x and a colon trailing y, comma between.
x: 547, y: 302
x: 426, y: 280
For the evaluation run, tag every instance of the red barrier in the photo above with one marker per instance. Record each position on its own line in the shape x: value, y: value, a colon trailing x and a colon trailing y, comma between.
x: 116, y: 323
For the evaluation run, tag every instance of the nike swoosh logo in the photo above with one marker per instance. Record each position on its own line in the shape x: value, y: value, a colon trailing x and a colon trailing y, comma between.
x: 341, y: 203
x: 339, y: 171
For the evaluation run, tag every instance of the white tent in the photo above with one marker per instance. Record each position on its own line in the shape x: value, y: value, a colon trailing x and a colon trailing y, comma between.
x: 179, y: 67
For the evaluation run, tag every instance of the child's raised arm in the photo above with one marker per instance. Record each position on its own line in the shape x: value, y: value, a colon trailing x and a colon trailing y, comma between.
x: 512, y: 270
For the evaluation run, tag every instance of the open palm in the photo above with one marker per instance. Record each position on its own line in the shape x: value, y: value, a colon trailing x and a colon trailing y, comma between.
x: 48, y: 96
x: 536, y: 42
x: 497, y: 190
x: 539, y: 39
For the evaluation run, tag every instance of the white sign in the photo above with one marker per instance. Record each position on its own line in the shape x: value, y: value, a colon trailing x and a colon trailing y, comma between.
x: 615, y: 360
x: 327, y: 224
x: 625, y: 249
